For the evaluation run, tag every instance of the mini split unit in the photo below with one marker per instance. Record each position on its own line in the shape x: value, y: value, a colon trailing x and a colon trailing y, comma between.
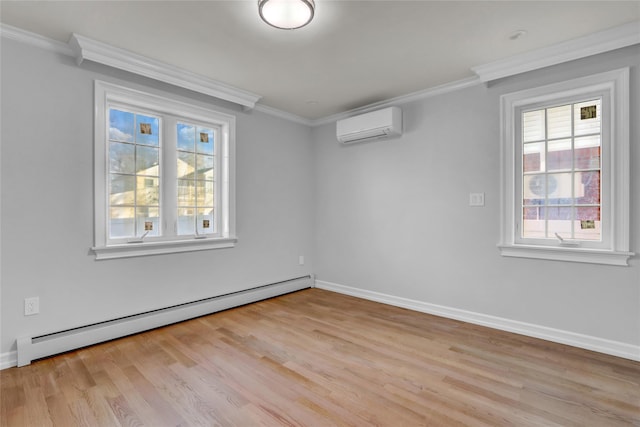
x: 383, y: 123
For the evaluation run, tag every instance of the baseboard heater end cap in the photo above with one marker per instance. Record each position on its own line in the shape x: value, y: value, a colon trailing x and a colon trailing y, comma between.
x: 24, y: 351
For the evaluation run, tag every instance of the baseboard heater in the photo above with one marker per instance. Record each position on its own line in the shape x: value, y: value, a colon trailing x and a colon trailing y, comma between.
x: 33, y: 348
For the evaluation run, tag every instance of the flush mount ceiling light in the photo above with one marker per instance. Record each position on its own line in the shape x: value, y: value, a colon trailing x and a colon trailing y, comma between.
x: 286, y: 14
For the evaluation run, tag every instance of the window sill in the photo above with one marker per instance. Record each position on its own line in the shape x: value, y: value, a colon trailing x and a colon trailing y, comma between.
x: 129, y: 250
x: 591, y: 256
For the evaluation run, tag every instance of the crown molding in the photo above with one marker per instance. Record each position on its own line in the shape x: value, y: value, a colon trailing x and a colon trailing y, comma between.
x: 83, y: 48
x: 592, y: 44
x: 403, y: 99
x: 86, y: 49
x: 33, y: 39
x: 283, y: 114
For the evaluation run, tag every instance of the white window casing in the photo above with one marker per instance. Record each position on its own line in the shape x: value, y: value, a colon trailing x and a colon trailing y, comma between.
x: 171, y: 112
x: 613, y: 248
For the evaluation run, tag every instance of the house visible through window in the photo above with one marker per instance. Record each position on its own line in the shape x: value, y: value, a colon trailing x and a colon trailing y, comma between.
x: 561, y: 148
x: 164, y: 175
x: 134, y: 174
x: 196, y: 180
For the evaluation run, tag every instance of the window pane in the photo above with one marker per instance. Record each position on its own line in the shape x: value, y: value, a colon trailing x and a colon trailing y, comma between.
x: 121, y: 222
x: 557, y: 213
x: 148, y: 219
x: 559, y: 188
x: 587, y: 187
x: 205, y: 167
x: 534, y: 189
x: 186, y: 164
x: 559, y: 221
x: 186, y: 137
x: 205, y: 221
x: 148, y: 191
x: 587, y: 224
x: 204, y: 140
x: 186, y: 221
x: 559, y: 155
x: 532, y: 212
x: 533, y: 224
x: 147, y: 160
x: 121, y: 189
x: 587, y: 117
x: 533, y: 157
x: 587, y: 152
x: 205, y: 193
x: 121, y: 157
x: 186, y: 192
x: 533, y: 126
x: 559, y: 122
x: 120, y: 125
x: 147, y: 130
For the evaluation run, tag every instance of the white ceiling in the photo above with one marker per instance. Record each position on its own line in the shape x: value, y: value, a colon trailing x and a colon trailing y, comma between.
x: 354, y: 53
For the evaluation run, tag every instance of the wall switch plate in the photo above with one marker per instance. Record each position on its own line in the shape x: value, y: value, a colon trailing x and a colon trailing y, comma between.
x: 476, y: 199
x: 31, y: 306
x: 301, y: 260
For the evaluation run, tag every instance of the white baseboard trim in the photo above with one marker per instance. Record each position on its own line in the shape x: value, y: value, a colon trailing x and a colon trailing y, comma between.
x: 8, y: 360
x: 600, y: 345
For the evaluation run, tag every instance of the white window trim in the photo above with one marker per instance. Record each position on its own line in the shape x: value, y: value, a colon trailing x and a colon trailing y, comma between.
x: 616, y: 84
x: 106, y: 93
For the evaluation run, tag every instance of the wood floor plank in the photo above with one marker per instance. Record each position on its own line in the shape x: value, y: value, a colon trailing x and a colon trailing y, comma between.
x: 316, y: 358
x: 153, y: 398
x: 82, y: 413
x: 37, y: 413
x: 99, y: 407
x: 59, y: 411
x: 123, y: 412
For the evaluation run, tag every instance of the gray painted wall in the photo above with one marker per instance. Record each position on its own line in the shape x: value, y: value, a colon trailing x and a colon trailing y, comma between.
x: 388, y: 216
x: 393, y: 216
x: 47, y: 204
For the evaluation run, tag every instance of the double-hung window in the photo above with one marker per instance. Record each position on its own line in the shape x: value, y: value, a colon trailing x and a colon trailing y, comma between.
x: 163, y: 175
x: 565, y: 180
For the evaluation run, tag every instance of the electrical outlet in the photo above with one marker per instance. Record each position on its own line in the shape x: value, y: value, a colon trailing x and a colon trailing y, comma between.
x: 31, y: 306
x: 301, y: 260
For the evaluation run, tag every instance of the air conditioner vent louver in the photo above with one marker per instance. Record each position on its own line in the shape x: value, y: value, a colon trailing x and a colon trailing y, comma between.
x: 369, y: 126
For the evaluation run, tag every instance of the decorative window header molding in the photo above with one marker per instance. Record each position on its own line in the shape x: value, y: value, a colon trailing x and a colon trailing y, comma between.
x: 581, y: 47
x: 83, y: 48
x: 92, y: 50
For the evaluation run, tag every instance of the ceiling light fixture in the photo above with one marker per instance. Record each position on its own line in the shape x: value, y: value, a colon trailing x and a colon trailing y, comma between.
x: 286, y: 14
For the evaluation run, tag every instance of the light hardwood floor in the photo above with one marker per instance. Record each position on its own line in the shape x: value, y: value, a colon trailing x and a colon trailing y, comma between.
x: 316, y: 358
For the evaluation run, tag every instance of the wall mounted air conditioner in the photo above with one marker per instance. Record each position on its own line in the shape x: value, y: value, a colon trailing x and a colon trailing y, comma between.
x: 365, y: 127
